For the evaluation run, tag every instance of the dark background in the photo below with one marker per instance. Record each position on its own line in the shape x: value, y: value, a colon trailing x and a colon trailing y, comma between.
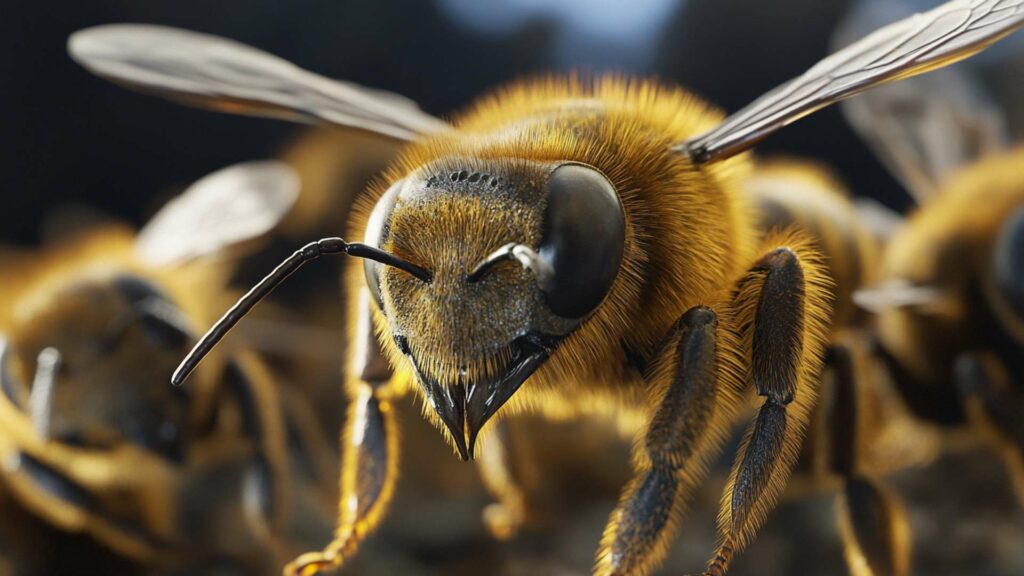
x: 68, y: 137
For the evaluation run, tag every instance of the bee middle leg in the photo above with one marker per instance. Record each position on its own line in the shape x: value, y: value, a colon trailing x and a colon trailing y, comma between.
x: 684, y: 431
x: 872, y: 524
x: 995, y: 404
x: 781, y: 306
x: 266, y: 480
x: 369, y: 466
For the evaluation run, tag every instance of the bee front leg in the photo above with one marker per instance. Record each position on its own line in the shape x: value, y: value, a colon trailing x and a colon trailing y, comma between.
x: 873, y: 526
x: 369, y: 464
x: 684, y: 431
x: 782, y: 306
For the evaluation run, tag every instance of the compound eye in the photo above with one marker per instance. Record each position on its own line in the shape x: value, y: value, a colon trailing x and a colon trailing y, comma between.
x: 374, y: 237
x: 582, y: 239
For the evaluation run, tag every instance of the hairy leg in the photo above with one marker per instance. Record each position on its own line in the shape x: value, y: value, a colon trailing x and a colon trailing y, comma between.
x: 995, y: 405
x: 507, y: 468
x: 781, y: 307
x: 871, y: 522
x: 695, y: 393
x: 369, y: 464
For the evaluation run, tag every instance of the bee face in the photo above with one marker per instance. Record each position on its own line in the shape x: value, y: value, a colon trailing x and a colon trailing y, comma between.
x: 118, y: 340
x: 524, y: 253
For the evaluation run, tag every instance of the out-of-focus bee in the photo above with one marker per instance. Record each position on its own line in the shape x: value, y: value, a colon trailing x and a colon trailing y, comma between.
x: 93, y: 441
x: 300, y: 336
x: 950, y: 298
x: 566, y: 247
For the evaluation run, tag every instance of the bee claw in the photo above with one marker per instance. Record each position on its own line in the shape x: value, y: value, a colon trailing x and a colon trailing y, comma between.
x: 312, y: 563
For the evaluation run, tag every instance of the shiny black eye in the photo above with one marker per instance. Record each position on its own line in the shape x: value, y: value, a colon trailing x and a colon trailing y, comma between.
x: 375, y: 227
x: 583, y: 237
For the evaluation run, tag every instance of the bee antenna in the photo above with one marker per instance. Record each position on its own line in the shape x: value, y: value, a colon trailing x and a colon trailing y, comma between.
x: 526, y: 256
x: 307, y: 253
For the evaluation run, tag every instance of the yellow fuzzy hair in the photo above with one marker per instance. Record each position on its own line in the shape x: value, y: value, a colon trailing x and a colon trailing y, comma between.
x: 34, y: 277
x: 818, y: 296
x: 42, y: 282
x: 821, y: 208
x: 947, y: 245
x: 688, y: 229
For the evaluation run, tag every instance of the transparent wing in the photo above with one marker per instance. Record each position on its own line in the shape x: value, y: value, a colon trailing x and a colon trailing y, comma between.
x: 230, y: 206
x: 925, y: 127
x: 923, y: 42
x: 898, y: 293
x: 220, y: 74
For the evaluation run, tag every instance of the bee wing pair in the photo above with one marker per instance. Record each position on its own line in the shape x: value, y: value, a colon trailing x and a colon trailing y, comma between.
x: 221, y: 210
x: 220, y: 74
x: 926, y: 127
x: 922, y: 129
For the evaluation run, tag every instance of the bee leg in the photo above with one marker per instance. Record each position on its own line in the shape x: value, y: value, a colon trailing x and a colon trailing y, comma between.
x: 672, y: 458
x: 265, y: 482
x: 994, y: 404
x: 506, y: 467
x: 782, y: 308
x: 871, y: 522
x: 369, y: 465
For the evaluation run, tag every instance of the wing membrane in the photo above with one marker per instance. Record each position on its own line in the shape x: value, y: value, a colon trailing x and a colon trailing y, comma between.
x: 925, y: 127
x: 923, y: 42
x: 219, y: 211
x: 216, y: 73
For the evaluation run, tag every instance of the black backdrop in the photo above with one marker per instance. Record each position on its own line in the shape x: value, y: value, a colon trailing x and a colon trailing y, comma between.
x: 68, y: 137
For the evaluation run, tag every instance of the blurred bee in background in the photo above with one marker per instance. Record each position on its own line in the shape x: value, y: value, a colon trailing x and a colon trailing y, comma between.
x: 91, y: 439
x: 567, y: 247
x: 301, y: 335
x: 950, y: 297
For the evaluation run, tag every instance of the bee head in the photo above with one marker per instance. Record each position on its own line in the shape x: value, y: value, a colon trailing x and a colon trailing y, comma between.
x: 519, y: 255
x: 92, y: 356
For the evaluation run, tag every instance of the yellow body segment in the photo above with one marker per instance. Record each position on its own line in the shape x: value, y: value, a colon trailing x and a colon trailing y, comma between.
x: 691, y: 235
x: 947, y: 246
x: 801, y: 195
x: 689, y: 230
x: 65, y: 297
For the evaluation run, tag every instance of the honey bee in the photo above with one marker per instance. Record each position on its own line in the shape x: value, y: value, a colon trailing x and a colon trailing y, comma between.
x: 949, y: 299
x: 90, y: 440
x: 565, y: 247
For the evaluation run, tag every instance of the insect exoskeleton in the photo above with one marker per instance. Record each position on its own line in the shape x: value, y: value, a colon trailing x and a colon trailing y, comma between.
x: 950, y: 320
x: 550, y: 252
x: 947, y: 309
x: 791, y: 193
x: 962, y: 250
x: 568, y: 246
x: 92, y: 439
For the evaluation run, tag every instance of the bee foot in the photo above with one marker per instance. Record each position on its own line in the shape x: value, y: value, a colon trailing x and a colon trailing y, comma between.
x: 312, y: 563
x: 503, y: 522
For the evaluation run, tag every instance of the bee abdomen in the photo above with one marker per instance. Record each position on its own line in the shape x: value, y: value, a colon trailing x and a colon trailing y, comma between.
x: 798, y: 196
